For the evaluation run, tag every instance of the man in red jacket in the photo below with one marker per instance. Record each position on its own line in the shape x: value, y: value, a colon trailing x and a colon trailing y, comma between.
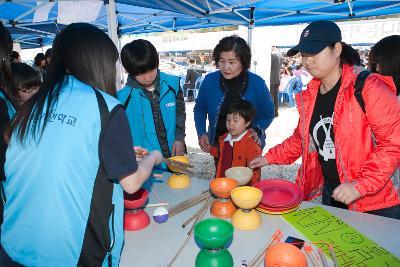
x: 340, y: 158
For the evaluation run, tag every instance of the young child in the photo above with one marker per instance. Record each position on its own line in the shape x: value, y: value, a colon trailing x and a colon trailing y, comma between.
x: 237, y: 147
x: 27, y: 81
x: 153, y: 101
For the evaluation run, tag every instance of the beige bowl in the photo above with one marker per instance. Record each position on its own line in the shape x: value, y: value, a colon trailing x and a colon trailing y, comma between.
x: 246, y: 197
x: 241, y: 174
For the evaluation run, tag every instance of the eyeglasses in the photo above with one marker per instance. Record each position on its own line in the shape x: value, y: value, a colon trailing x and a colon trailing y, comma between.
x: 28, y: 90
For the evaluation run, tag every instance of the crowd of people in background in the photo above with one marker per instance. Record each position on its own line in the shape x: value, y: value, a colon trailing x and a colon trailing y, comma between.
x: 69, y: 209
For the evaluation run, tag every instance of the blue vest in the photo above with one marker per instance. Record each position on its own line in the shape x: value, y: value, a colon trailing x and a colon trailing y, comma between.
x: 10, y: 107
x: 140, y: 115
x: 50, y: 185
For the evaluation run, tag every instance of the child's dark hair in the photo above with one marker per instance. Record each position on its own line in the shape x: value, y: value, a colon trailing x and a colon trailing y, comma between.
x: 244, y: 108
x: 25, y: 76
x: 139, y: 56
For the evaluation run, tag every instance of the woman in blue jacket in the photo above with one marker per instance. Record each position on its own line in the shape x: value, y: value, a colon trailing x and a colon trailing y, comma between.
x: 69, y: 158
x: 231, y: 83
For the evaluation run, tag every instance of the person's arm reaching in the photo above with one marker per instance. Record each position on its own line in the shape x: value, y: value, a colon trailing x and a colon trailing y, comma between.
x: 134, y: 181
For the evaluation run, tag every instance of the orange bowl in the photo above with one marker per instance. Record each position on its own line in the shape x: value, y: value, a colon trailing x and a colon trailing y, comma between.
x: 222, y: 209
x: 222, y: 187
x: 284, y: 254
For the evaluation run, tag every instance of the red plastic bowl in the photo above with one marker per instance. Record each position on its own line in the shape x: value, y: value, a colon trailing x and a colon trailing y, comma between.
x: 135, y: 221
x: 136, y: 200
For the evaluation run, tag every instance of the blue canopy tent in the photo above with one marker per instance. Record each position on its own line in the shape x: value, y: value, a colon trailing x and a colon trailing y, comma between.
x: 17, y: 15
x: 141, y: 16
x: 252, y: 13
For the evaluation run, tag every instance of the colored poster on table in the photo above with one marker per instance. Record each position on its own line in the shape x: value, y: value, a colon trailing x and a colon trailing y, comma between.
x: 351, y: 247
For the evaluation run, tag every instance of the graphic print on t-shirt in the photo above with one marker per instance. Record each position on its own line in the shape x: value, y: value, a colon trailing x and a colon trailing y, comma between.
x: 327, y: 148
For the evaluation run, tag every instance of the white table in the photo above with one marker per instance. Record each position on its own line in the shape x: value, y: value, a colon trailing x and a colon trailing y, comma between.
x: 157, y: 244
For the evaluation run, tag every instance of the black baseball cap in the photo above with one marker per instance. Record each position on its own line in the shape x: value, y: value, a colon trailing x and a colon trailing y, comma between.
x: 316, y: 36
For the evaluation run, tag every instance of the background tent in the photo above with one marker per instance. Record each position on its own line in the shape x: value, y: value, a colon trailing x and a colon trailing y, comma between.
x: 141, y: 16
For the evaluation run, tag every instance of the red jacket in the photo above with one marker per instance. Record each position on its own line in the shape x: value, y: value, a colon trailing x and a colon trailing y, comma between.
x: 244, y: 151
x: 358, y: 161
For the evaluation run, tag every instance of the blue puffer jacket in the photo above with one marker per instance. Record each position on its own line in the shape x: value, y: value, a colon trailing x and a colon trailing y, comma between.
x: 210, y: 98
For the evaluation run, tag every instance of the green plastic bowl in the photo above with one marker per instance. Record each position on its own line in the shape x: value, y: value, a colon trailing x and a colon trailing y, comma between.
x: 214, y: 258
x: 213, y: 233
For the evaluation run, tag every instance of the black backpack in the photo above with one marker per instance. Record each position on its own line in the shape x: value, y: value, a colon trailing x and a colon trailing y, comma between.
x: 358, y: 87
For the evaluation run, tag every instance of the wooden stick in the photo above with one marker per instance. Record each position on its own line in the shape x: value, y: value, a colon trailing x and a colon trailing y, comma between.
x: 323, y: 258
x: 182, y: 207
x: 188, y: 203
x: 180, y: 250
x: 157, y: 204
x: 190, y: 232
x: 334, y: 259
x: 185, y: 223
x: 202, y: 212
x: 258, y: 258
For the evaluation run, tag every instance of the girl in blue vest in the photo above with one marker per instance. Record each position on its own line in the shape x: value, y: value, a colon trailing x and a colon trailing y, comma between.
x: 69, y: 159
x: 153, y: 101
x: 7, y: 108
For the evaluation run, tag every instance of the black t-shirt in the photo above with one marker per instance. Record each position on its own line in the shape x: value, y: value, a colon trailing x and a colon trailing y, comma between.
x: 117, y: 147
x: 321, y: 130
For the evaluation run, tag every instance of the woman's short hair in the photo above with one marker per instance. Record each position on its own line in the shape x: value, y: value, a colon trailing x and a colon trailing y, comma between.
x: 244, y: 108
x: 139, y: 56
x: 25, y: 76
x: 386, y: 53
x: 236, y: 44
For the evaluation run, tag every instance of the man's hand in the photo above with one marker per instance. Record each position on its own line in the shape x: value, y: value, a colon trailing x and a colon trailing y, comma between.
x: 253, y: 134
x: 346, y: 193
x: 203, y: 143
x: 178, y: 148
x: 258, y: 162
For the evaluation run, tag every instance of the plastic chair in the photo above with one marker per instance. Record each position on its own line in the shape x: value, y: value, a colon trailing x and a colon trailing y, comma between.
x: 196, y: 88
x: 293, y: 86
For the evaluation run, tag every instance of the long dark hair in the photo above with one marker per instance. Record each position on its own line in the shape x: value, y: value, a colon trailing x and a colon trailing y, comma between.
x: 6, y: 80
x: 81, y: 50
x: 386, y: 53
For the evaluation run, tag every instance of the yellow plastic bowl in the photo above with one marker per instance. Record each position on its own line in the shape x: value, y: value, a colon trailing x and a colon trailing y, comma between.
x: 183, y: 159
x: 246, y: 220
x: 178, y: 181
x: 241, y: 174
x: 246, y: 197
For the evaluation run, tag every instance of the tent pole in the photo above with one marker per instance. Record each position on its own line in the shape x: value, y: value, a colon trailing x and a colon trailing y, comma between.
x: 250, y: 27
x: 113, y: 33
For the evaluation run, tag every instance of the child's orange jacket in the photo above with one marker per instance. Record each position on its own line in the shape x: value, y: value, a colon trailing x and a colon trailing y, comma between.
x: 244, y: 151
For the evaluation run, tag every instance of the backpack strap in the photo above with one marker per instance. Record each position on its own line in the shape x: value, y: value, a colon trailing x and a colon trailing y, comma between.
x: 126, y: 103
x: 358, y: 87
